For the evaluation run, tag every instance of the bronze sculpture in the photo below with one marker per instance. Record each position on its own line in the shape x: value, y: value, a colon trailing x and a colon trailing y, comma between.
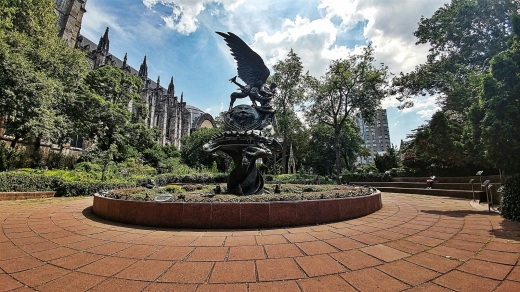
x: 251, y: 69
x: 248, y: 130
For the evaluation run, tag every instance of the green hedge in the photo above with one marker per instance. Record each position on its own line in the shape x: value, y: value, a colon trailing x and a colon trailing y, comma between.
x: 366, y: 177
x: 510, y: 202
x: 298, y: 179
x: 203, y: 178
x: 23, y: 182
x: 33, y: 182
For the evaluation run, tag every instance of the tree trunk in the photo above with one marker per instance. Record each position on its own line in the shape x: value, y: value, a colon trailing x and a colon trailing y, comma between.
x: 36, y: 152
x: 345, y: 159
x: 15, y: 140
x: 338, y: 161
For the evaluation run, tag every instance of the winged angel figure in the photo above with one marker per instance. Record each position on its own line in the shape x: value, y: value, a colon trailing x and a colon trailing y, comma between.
x: 252, y: 70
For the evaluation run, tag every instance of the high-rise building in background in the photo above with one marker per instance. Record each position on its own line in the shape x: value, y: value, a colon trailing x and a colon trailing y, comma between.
x: 375, y: 135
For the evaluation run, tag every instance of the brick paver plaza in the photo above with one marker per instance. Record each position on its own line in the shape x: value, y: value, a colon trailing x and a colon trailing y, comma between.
x: 420, y: 243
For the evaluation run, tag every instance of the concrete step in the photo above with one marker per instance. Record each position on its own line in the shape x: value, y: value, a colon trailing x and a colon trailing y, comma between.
x: 443, y: 186
x: 434, y: 192
x: 463, y: 179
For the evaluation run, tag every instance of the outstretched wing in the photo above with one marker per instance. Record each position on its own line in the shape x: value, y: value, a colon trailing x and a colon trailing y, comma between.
x: 250, y: 65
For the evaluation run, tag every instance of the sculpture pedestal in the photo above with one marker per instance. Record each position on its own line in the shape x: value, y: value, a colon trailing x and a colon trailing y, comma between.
x: 244, y: 179
x: 247, y: 137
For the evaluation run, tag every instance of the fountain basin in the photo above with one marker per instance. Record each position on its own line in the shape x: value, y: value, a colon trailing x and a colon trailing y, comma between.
x: 240, y: 215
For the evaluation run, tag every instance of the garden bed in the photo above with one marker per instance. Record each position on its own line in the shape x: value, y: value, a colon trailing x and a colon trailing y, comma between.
x: 200, y: 210
x: 205, y: 193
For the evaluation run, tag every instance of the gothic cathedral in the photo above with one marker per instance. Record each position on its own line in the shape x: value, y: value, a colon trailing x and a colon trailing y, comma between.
x: 171, y: 115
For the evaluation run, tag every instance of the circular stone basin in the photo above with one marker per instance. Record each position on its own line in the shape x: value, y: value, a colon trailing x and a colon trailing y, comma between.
x: 235, y: 215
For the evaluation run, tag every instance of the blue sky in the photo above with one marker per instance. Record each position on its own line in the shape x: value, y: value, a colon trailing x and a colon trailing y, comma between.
x: 178, y: 37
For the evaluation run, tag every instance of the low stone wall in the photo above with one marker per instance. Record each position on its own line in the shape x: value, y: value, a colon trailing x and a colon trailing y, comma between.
x: 5, y: 196
x: 235, y: 215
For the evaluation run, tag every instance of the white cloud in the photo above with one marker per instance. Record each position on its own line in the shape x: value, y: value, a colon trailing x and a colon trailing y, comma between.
x: 428, y: 113
x: 184, y: 13
x: 98, y: 20
x: 390, y: 27
x: 425, y: 107
x: 313, y: 41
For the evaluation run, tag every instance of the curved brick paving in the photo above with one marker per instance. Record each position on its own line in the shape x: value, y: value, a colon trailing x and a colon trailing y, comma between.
x: 415, y: 242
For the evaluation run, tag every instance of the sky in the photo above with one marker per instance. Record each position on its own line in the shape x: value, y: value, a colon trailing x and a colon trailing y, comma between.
x: 178, y: 37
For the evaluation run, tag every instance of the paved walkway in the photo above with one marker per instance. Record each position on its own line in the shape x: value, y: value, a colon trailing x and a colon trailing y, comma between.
x: 415, y: 242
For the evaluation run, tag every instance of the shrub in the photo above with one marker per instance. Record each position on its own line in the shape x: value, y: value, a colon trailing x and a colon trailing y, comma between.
x: 25, y: 182
x: 366, y: 177
x: 174, y: 189
x: 299, y: 179
x: 510, y: 202
x: 87, y: 167
x: 56, y: 160
x: 81, y: 183
x: 75, y: 188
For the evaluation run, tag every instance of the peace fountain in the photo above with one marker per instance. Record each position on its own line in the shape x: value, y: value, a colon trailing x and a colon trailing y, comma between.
x: 248, y: 135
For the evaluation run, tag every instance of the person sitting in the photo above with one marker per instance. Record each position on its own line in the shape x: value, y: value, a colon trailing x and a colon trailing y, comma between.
x: 430, y: 181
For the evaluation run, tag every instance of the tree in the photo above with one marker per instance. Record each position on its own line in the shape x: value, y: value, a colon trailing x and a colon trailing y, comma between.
x: 156, y: 154
x: 39, y: 74
x: 191, y: 149
x: 496, y: 116
x: 464, y: 35
x: 321, y: 156
x: 322, y: 151
x: 111, y: 112
x: 288, y: 77
x: 298, y: 137
x: 350, y: 86
x: 438, y: 142
x: 4, y: 165
x: 219, y: 120
x: 388, y: 160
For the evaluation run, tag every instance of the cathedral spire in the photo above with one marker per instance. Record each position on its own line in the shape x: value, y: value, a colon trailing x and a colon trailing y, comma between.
x: 171, y: 87
x: 158, y: 82
x: 124, y: 60
x: 182, y: 97
x: 104, y: 42
x: 143, y: 70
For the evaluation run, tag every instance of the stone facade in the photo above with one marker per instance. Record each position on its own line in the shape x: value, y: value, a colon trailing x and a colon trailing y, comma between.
x: 70, y: 14
x: 168, y: 112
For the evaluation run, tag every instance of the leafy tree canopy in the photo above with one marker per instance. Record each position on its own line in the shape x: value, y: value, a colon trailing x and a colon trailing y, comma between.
x: 496, y: 117
x: 39, y: 74
x: 111, y: 112
x: 388, y: 160
x: 288, y: 75
x: 191, y: 149
x: 352, y: 86
x: 464, y: 35
x: 321, y: 153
